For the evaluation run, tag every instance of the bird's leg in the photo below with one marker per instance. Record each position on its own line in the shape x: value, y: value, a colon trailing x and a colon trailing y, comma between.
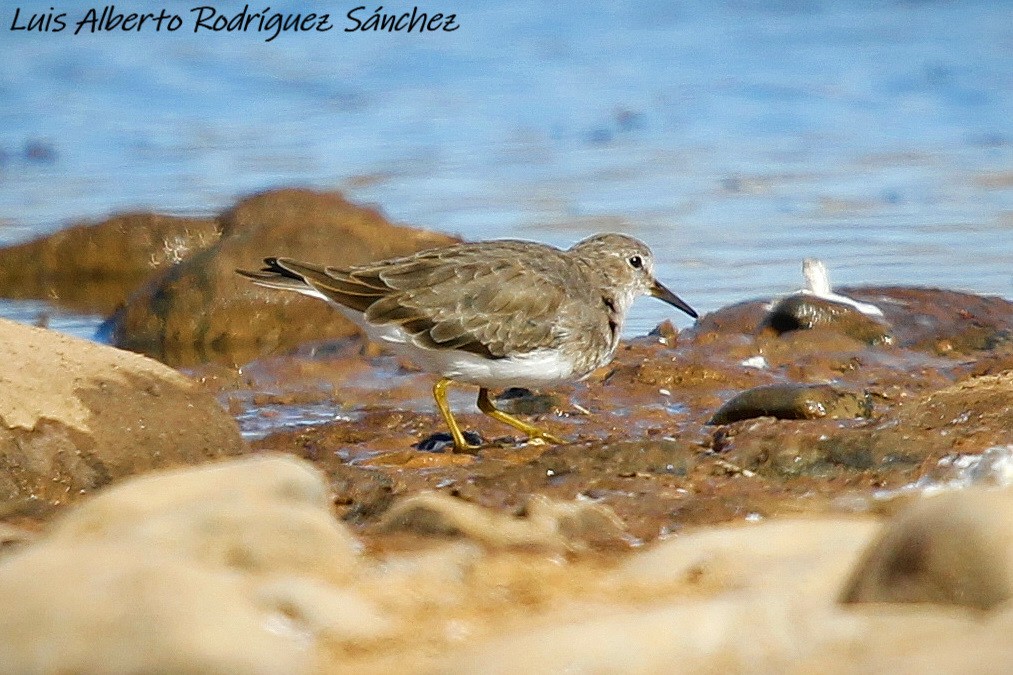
x: 486, y: 406
x: 440, y: 394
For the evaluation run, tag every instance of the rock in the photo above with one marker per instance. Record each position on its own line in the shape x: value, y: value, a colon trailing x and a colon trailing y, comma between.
x: 745, y: 598
x: 805, y: 312
x: 202, y: 310
x: 112, y: 609
x: 13, y: 538
x: 794, y: 402
x: 76, y: 415
x: 260, y: 514
x: 953, y: 548
x: 751, y: 558
x: 548, y: 523
x: 817, y: 306
x: 970, y: 416
x: 237, y: 567
x: 93, y: 267
x: 947, y: 323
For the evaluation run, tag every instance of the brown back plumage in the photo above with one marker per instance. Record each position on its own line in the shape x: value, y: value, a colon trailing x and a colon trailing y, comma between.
x: 444, y: 297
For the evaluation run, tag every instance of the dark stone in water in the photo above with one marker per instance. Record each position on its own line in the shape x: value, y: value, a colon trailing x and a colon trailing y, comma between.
x: 804, y: 312
x: 794, y: 402
x: 443, y: 441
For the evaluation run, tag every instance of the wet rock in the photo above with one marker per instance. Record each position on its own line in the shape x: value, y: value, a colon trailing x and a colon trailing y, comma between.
x: 805, y: 312
x: 237, y: 567
x: 817, y: 306
x: 546, y: 523
x: 793, y: 450
x: 948, y: 323
x: 794, y: 402
x: 442, y: 441
x: 953, y: 549
x: 360, y: 494
x: 75, y: 415
x: 201, y: 310
x: 94, y: 267
x: 741, y: 318
x: 941, y: 322
x: 666, y: 331
x: 970, y: 416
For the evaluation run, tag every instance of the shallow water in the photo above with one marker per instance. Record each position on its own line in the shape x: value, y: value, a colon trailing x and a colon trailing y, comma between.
x: 735, y: 137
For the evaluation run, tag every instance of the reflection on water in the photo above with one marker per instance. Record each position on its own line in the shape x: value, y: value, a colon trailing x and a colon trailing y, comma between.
x: 259, y: 421
x: 735, y: 137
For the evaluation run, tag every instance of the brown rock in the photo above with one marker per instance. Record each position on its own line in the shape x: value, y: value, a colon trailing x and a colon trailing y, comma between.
x: 952, y: 549
x: 794, y: 402
x: 970, y: 416
x: 948, y: 323
x: 75, y: 415
x: 94, y: 267
x: 202, y: 310
x: 807, y: 311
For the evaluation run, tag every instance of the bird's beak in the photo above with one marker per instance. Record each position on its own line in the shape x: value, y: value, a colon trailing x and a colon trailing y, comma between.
x: 659, y: 291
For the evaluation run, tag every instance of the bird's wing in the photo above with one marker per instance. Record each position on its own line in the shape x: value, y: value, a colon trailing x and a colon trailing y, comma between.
x: 456, y: 298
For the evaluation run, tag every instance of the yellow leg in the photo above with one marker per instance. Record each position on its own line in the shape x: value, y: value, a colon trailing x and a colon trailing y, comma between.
x: 486, y: 406
x: 440, y: 394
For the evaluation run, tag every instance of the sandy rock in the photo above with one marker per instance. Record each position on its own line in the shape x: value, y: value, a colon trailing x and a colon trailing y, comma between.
x: 774, y: 556
x: 748, y: 598
x: 75, y: 415
x: 12, y: 538
x: 202, y: 310
x: 952, y: 548
x: 237, y: 567
x: 104, y: 608
x: 744, y: 599
x: 258, y: 514
x: 95, y: 266
x: 548, y: 523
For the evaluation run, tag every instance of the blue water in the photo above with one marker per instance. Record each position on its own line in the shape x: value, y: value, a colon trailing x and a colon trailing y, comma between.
x: 736, y: 136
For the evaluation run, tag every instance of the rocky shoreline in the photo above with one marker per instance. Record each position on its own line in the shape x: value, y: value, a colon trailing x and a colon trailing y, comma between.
x: 760, y: 474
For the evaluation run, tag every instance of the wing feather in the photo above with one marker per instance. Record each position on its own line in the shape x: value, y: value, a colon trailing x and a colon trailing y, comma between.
x: 494, y: 300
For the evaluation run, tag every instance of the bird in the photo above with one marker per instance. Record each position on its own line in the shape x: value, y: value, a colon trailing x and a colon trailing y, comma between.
x: 494, y: 314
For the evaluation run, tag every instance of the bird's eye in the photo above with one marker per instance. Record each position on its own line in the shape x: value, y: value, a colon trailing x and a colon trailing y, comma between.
x: 636, y: 262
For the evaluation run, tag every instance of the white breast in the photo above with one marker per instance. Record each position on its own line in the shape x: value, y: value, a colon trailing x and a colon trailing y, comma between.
x: 533, y: 369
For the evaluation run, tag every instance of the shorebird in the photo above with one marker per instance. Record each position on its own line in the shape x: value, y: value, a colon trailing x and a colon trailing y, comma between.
x: 494, y: 314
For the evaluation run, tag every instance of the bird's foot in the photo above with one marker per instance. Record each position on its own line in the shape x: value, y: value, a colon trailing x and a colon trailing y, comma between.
x: 545, y: 438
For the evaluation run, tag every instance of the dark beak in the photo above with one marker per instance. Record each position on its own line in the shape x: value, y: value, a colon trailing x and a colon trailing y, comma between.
x: 659, y: 291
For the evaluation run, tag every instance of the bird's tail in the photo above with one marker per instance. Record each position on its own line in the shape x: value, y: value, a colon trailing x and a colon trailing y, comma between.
x: 275, y: 275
